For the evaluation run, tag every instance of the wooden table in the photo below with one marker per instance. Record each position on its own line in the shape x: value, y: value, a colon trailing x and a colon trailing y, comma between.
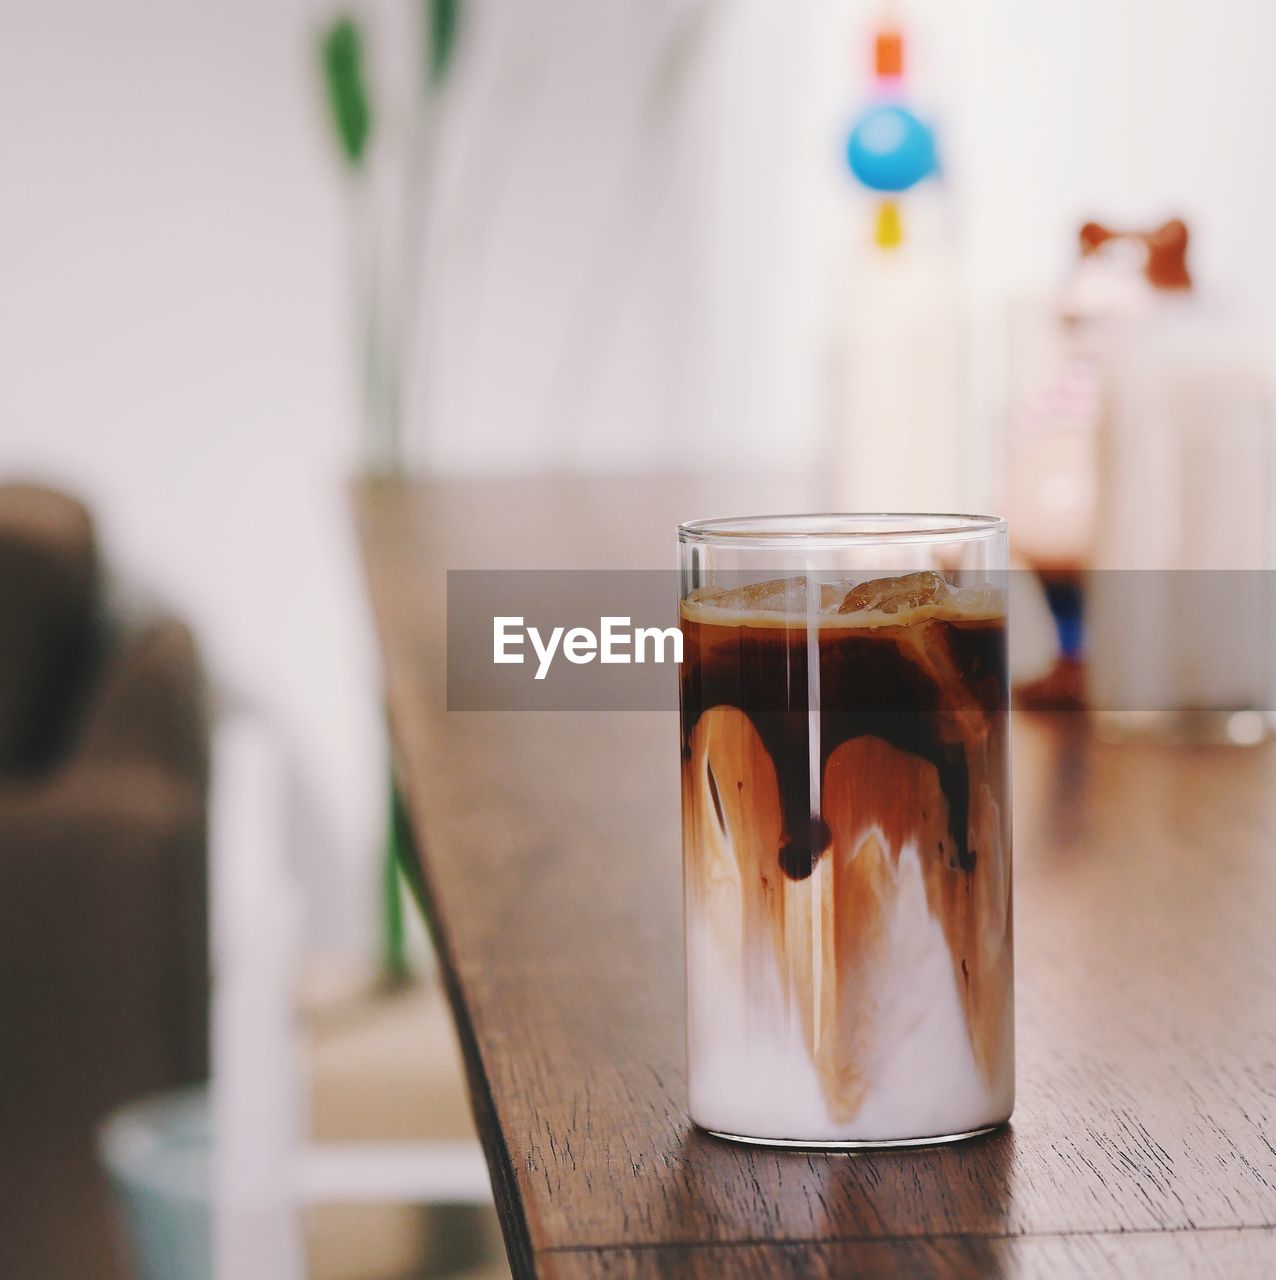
x: 1144, y: 1142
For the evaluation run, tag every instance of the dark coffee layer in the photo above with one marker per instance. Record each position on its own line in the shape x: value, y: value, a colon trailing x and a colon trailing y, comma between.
x: 930, y: 687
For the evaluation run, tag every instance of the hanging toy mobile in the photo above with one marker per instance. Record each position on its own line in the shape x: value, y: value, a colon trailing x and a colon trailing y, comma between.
x: 890, y: 149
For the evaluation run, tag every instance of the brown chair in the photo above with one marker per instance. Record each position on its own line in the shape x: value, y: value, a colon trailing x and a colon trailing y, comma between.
x: 103, y: 904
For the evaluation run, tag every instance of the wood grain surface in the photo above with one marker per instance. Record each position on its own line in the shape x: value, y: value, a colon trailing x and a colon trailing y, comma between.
x: 1210, y: 1255
x: 1144, y: 1141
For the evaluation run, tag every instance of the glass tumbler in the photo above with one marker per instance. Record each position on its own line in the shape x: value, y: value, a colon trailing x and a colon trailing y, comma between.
x: 846, y: 828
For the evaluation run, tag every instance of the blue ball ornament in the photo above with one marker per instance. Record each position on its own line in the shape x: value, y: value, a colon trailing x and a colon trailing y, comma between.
x: 890, y: 149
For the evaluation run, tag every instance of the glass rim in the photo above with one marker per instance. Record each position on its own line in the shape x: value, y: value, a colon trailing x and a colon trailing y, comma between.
x: 827, y: 528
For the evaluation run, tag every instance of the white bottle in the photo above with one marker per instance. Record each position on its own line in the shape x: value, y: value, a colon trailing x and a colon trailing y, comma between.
x: 899, y: 434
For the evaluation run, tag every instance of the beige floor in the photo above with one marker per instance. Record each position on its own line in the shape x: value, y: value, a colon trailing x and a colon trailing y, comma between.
x: 385, y: 1066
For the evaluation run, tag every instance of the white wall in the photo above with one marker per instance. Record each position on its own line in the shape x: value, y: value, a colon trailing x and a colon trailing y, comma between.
x: 626, y: 258
x: 632, y: 258
x: 1129, y: 111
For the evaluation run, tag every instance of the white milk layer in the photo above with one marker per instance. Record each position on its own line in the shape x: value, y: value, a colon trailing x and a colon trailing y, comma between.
x: 750, y: 1072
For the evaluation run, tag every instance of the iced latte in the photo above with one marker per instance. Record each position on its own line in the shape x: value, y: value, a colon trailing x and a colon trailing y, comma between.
x: 846, y: 838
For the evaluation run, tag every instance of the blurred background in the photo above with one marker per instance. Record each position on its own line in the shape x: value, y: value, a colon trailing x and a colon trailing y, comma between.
x: 251, y: 251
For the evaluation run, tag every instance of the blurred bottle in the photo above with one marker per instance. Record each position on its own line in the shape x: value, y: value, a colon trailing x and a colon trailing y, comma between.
x: 1064, y: 354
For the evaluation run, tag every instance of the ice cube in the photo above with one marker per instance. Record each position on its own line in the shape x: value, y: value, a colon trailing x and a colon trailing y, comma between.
x: 895, y: 595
